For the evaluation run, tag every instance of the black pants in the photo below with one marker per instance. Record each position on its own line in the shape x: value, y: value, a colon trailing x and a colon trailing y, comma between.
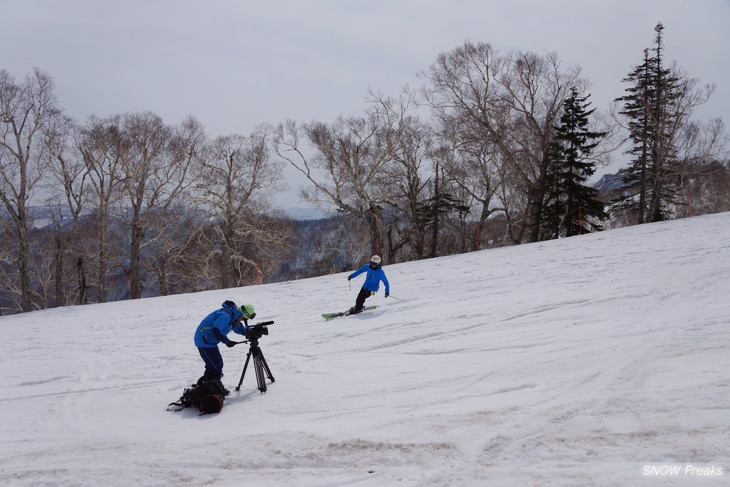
x: 361, y: 297
x: 213, y: 362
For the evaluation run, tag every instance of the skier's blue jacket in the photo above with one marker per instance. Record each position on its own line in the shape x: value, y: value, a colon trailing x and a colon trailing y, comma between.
x: 214, y: 327
x: 373, y: 278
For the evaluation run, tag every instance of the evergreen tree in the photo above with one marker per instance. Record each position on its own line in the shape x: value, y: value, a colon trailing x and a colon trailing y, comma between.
x: 434, y: 209
x: 571, y: 207
x: 651, y: 110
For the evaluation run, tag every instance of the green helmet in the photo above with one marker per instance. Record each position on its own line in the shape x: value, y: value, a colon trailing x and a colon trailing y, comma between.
x: 247, y: 311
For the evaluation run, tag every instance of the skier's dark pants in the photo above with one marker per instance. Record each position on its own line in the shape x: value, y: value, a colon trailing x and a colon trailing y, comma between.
x: 360, y: 301
x: 213, y: 362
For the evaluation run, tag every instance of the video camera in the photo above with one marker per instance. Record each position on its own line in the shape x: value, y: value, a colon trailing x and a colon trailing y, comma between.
x: 257, y: 331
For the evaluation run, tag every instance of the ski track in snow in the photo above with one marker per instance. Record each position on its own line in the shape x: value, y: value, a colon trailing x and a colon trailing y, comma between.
x: 571, y: 362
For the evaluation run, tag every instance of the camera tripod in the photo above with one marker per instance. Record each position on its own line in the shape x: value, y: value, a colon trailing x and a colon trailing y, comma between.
x: 259, y: 365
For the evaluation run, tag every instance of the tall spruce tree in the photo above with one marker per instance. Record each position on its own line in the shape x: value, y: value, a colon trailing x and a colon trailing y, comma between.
x: 571, y: 207
x: 434, y: 209
x: 650, y: 108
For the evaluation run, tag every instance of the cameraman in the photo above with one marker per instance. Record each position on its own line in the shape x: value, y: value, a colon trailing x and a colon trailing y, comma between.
x: 214, y: 329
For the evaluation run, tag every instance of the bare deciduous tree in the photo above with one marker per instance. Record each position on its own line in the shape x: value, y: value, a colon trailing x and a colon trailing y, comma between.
x: 68, y: 190
x: 26, y: 109
x: 235, y: 178
x: 511, y: 102
x: 10, y: 300
x: 702, y: 179
x: 345, y: 167
x: 476, y: 169
x: 103, y: 147
x: 410, y: 144
x: 173, y: 257
x: 155, y: 171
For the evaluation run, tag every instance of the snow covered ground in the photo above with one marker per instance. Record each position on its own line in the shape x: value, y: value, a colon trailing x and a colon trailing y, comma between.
x: 594, y: 360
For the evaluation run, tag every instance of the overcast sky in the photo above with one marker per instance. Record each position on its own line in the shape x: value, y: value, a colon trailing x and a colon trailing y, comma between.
x: 234, y: 64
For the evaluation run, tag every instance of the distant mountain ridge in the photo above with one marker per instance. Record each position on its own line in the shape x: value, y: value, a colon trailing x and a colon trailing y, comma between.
x: 609, y: 182
x: 307, y: 213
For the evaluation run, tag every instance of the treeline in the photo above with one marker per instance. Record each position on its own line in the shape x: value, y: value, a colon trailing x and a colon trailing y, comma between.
x: 494, y: 149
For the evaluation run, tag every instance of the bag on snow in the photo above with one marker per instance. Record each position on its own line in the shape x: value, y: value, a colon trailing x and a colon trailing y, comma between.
x: 207, y: 396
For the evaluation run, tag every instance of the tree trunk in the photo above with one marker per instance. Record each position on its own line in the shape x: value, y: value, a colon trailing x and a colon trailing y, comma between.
x: 24, y: 265
x: 102, y: 259
x: 135, y: 285
x: 375, y: 222
x: 81, y: 273
x: 58, y: 299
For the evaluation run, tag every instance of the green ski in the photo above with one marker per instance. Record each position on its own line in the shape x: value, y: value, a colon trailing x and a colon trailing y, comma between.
x: 332, y: 316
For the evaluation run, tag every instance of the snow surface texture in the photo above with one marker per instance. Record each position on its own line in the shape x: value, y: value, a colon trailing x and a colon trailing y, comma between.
x: 593, y: 360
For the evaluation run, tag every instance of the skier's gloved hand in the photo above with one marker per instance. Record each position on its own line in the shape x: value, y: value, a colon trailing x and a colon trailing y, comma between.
x: 349, y: 278
x: 230, y: 344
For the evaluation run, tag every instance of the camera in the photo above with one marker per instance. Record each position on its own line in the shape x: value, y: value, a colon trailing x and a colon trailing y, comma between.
x: 257, y: 331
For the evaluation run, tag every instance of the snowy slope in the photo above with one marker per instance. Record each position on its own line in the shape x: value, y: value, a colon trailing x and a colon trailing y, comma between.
x: 594, y: 360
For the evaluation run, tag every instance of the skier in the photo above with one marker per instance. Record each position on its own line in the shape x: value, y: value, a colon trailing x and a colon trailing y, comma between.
x: 213, y: 330
x: 375, y: 274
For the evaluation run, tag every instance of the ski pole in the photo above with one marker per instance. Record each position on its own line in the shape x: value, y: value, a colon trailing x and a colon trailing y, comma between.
x: 391, y: 296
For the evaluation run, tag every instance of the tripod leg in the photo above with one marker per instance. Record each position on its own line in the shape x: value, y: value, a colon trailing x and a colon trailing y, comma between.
x: 258, y: 367
x: 266, y: 368
x: 248, y: 356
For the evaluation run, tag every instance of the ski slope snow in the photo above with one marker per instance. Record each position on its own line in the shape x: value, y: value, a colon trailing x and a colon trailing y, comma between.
x: 594, y: 360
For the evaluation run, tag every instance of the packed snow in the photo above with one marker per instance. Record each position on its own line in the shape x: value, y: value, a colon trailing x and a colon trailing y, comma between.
x: 600, y: 359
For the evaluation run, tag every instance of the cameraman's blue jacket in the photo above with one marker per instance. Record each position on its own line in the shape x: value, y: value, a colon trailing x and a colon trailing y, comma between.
x: 373, y: 278
x: 214, y: 327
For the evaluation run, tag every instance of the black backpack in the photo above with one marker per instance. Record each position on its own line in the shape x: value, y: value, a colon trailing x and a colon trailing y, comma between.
x: 207, y: 396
